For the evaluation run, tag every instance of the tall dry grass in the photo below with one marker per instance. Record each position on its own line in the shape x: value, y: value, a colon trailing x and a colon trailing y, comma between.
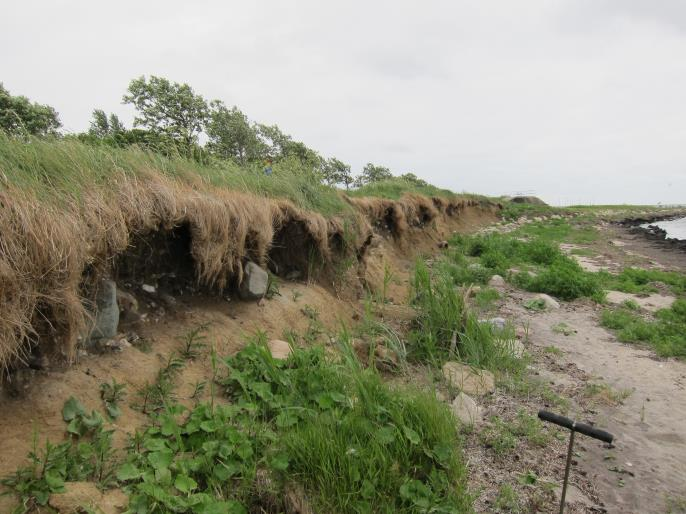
x: 68, y: 209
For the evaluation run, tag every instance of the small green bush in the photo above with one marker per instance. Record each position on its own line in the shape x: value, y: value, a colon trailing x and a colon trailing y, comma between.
x: 666, y: 333
x: 443, y: 318
x: 564, y: 279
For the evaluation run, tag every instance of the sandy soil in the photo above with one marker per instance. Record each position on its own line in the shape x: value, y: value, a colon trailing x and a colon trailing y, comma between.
x: 643, y: 469
x: 647, y: 466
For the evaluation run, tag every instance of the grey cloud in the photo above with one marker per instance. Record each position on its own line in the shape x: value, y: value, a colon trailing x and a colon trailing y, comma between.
x: 578, y: 100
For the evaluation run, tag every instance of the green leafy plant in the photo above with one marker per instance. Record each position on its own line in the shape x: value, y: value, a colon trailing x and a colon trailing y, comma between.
x: 154, y: 396
x: 194, y: 341
x: 446, y: 328
x: 507, y: 500
x: 87, y: 455
x: 498, y: 436
x: 563, y: 328
x: 272, y: 287
x: 666, y: 332
x: 535, y: 304
x: 112, y: 394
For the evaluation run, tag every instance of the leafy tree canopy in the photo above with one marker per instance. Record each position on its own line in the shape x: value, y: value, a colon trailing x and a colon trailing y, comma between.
x: 373, y: 173
x: 102, y: 126
x: 168, y: 108
x: 18, y: 115
x: 414, y: 179
x: 232, y: 136
x: 336, y: 172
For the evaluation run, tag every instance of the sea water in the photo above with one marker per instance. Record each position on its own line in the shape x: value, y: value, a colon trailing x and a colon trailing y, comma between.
x: 676, y: 229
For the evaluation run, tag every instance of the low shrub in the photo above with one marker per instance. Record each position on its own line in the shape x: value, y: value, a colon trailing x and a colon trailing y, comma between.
x: 666, y: 332
x: 445, y: 328
x: 314, y: 422
x: 564, y: 279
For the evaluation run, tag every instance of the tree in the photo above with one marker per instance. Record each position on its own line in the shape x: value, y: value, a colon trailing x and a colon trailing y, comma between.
x: 168, y: 108
x: 373, y: 173
x: 277, y: 145
x: 231, y: 134
x: 100, y: 125
x: 109, y: 130
x: 414, y: 179
x: 272, y: 140
x: 116, y: 126
x: 18, y: 115
x: 336, y: 172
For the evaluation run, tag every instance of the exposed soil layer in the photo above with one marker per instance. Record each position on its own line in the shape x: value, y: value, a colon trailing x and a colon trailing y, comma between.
x: 34, y: 399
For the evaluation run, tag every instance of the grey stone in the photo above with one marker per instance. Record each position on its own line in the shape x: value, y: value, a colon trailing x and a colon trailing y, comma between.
x: 497, y: 281
x: 148, y: 288
x: 550, y: 302
x: 498, y: 323
x: 255, y: 282
x: 465, y: 409
x: 106, y: 311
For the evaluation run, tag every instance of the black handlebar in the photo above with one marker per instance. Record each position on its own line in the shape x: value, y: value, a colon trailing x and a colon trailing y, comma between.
x: 582, y: 428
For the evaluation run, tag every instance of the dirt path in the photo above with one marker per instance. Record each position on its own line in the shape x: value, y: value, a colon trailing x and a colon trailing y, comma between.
x: 647, y: 467
x: 648, y: 426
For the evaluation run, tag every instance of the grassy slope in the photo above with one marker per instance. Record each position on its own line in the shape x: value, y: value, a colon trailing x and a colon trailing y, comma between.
x: 64, y: 168
x: 394, y: 188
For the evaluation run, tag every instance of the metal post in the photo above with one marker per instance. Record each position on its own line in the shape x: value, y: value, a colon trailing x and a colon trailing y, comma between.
x: 569, y: 463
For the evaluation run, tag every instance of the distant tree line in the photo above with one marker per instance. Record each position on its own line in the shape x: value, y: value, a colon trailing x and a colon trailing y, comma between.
x: 170, y: 117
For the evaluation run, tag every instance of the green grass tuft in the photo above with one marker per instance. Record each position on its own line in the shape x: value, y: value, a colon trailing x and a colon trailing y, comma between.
x: 666, y: 332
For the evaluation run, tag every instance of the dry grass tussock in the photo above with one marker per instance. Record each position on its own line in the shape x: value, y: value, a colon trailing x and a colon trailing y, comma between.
x: 53, y: 251
x: 411, y: 210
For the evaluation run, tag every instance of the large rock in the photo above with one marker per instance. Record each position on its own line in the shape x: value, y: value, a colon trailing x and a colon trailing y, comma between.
x: 255, y: 282
x: 106, y: 312
x: 468, y: 380
x: 279, y: 349
x: 550, y: 302
x: 497, y: 281
x: 497, y: 323
x: 466, y: 410
x: 384, y: 358
x: 128, y: 306
x: 514, y: 347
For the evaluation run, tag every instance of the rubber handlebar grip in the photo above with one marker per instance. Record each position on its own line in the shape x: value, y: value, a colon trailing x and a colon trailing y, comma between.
x: 582, y: 428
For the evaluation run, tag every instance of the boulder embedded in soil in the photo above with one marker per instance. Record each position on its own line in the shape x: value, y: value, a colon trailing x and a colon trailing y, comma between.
x: 515, y: 347
x: 467, y: 379
x: 255, y: 282
x: 107, y: 312
x: 128, y: 306
x: 465, y: 409
x: 550, y: 302
x: 497, y: 281
x: 384, y: 358
x: 497, y: 323
x: 279, y: 349
x: 523, y: 332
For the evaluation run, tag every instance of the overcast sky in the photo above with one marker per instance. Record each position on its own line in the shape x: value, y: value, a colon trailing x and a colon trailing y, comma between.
x: 577, y: 101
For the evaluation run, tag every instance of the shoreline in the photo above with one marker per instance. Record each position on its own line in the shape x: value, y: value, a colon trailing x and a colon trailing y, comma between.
x: 653, y: 232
